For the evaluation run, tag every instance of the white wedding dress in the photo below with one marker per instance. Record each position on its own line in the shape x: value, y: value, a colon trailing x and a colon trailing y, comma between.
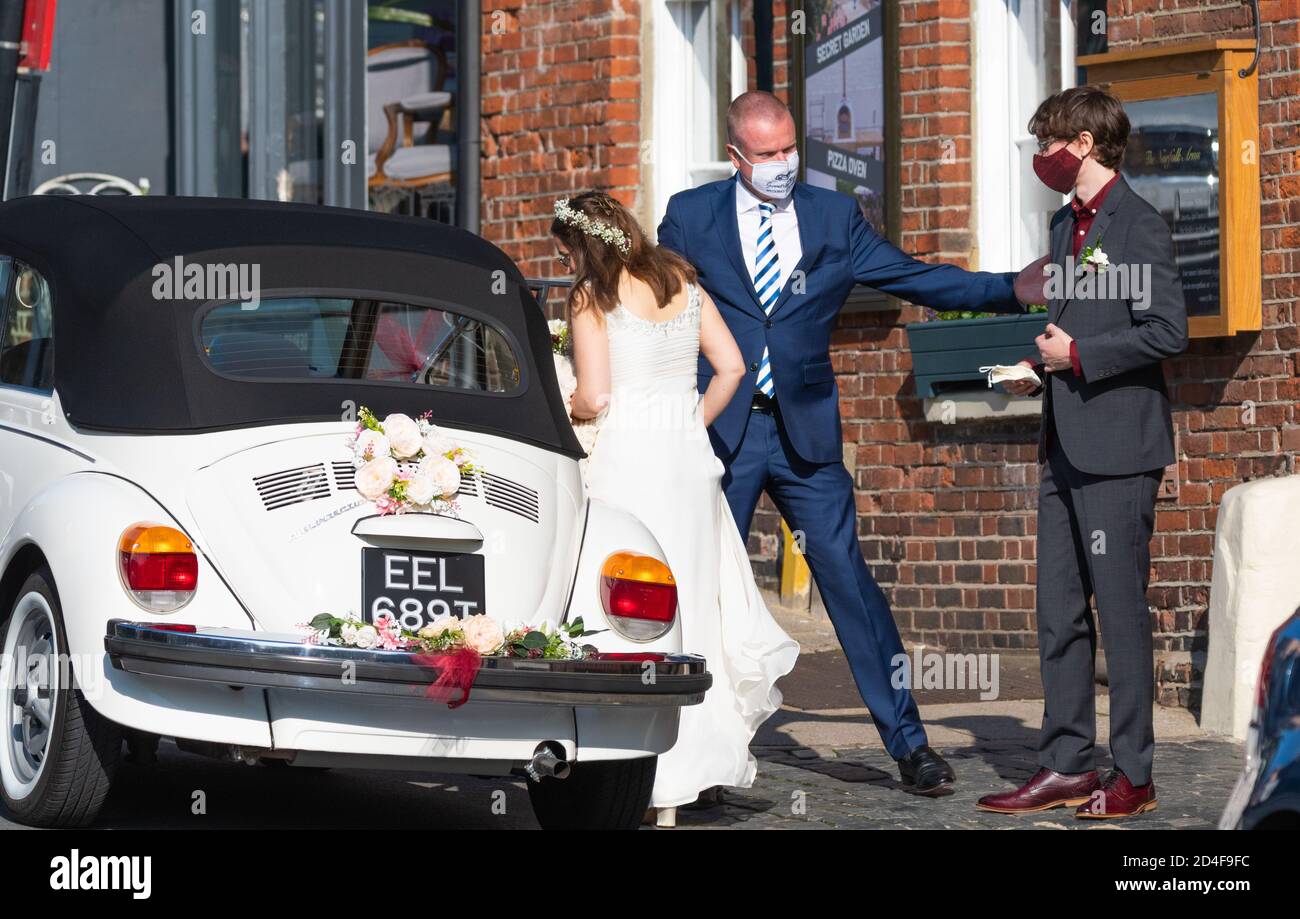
x: 653, y: 458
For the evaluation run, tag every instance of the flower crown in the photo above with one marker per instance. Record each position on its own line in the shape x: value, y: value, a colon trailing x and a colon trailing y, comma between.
x: 612, y: 235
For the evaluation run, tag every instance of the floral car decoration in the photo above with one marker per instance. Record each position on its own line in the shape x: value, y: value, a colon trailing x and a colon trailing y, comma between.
x: 406, y: 464
x: 454, y: 648
x: 479, y: 633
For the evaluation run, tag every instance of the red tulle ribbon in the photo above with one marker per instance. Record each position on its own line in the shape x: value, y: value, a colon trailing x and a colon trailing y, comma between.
x: 456, y: 672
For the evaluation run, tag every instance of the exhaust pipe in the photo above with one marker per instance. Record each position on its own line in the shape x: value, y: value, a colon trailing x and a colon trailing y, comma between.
x: 547, y: 762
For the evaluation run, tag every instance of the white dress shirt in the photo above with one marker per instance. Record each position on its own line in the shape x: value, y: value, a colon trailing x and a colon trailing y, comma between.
x: 785, y: 230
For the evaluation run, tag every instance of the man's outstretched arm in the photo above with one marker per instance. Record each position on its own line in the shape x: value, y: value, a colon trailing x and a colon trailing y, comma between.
x: 878, y: 263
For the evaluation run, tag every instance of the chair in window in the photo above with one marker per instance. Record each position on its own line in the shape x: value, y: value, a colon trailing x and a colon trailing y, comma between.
x: 91, y: 183
x: 406, y: 107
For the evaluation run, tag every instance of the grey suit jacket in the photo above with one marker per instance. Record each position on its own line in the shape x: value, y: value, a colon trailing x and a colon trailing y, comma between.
x: 1114, y: 419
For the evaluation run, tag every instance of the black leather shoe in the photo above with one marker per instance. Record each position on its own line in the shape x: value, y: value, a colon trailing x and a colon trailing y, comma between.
x: 925, y: 772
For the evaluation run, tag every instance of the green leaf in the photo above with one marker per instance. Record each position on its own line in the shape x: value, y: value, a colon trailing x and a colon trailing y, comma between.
x: 323, y: 621
x: 367, y: 418
x: 534, y: 640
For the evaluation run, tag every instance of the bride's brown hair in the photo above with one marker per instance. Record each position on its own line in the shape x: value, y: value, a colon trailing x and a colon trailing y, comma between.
x: 598, y: 263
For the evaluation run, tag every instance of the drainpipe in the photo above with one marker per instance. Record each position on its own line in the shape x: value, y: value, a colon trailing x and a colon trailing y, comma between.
x: 763, y: 44
x: 469, y: 61
x: 11, y: 36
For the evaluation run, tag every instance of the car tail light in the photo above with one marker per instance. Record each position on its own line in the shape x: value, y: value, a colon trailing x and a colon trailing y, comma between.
x: 639, y: 595
x: 1266, y: 669
x: 159, y: 567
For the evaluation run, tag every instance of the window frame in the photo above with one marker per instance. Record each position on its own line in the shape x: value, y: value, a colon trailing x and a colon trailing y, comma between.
x: 1000, y: 137
x: 671, y: 132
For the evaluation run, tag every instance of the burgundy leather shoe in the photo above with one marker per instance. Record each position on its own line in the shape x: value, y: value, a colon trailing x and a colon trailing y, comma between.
x: 1118, y: 797
x: 1047, y: 789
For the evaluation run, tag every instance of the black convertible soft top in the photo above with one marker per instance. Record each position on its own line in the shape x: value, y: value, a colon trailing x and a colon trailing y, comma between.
x: 128, y: 361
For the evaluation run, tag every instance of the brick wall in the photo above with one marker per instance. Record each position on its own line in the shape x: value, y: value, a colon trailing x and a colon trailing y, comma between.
x: 561, y: 112
x: 948, y: 510
x: 1235, y: 399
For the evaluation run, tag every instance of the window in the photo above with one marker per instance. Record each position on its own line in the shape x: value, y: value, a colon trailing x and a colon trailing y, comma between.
x: 27, y: 347
x: 321, y: 338
x: 1024, y: 52
x: 699, y: 68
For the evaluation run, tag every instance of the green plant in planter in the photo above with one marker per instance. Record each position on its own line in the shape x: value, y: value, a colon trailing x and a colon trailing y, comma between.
x: 946, y: 315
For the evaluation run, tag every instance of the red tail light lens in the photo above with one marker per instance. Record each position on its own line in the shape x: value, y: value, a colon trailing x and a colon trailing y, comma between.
x: 639, y: 595
x: 159, y: 567
x: 168, y: 571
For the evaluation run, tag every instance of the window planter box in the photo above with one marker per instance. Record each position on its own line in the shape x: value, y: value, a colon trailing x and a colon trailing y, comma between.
x: 953, y: 351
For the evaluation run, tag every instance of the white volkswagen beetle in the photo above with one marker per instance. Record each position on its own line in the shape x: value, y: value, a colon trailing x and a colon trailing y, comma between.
x: 179, y: 380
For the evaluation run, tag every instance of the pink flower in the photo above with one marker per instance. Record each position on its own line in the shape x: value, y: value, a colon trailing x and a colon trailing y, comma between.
x: 483, y: 634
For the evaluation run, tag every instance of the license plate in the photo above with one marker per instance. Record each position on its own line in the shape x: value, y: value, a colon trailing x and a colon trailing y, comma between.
x: 418, y: 587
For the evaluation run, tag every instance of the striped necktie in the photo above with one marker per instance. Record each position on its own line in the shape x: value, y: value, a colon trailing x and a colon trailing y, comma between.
x: 767, y: 281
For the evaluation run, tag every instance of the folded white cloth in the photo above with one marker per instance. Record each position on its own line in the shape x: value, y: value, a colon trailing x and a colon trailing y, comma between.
x: 1002, y: 373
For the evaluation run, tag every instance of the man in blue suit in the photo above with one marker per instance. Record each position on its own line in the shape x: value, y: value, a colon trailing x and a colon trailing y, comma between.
x: 779, y: 259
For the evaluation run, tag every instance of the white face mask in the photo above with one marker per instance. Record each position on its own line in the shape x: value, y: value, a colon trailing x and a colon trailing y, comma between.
x: 775, y: 179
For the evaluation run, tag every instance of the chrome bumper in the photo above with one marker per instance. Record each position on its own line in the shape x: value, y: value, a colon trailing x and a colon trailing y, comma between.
x: 235, y: 658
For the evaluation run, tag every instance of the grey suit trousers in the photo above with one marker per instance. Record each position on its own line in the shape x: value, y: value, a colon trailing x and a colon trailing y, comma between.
x: 1094, y: 534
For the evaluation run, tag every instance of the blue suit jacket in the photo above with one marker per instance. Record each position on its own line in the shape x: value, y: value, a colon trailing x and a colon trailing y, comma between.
x: 840, y: 250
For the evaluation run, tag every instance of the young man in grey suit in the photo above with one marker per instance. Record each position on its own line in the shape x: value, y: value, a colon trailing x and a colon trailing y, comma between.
x: 1116, y: 310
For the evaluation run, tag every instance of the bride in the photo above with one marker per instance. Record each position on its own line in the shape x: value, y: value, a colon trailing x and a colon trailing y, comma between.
x: 639, y: 322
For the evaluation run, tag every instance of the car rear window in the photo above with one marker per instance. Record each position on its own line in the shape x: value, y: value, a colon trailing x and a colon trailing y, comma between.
x: 305, y: 338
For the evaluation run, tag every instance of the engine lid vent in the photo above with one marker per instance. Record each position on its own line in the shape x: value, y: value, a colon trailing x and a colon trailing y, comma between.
x: 292, y: 486
x: 509, y: 496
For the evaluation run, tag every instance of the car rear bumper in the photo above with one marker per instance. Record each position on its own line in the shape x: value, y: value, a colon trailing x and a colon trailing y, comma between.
x: 237, y: 658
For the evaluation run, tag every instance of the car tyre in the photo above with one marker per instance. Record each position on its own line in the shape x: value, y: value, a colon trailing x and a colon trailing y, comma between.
x: 607, y: 795
x: 59, y: 754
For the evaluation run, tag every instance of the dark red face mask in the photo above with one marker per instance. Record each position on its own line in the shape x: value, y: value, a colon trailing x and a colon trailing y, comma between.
x: 1059, y: 170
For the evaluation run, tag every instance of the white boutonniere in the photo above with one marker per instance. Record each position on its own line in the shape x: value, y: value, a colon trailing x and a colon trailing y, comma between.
x: 1093, y: 257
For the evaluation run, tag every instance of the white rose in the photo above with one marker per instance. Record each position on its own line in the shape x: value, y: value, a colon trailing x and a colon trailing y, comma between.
x: 437, y: 443
x: 483, y: 634
x: 403, y: 434
x: 375, y: 478
x: 443, y: 473
x: 420, y: 489
x: 438, y: 626
x: 367, y: 637
x: 557, y: 326
x: 371, y: 445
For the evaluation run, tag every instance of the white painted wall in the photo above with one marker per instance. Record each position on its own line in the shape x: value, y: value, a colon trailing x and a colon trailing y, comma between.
x: 1255, y: 588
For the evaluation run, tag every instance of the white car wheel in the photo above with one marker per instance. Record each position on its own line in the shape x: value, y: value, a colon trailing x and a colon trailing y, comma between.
x: 31, y: 681
x: 58, y: 755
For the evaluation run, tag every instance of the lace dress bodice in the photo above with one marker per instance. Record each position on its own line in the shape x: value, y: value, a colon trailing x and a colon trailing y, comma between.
x: 647, y: 355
